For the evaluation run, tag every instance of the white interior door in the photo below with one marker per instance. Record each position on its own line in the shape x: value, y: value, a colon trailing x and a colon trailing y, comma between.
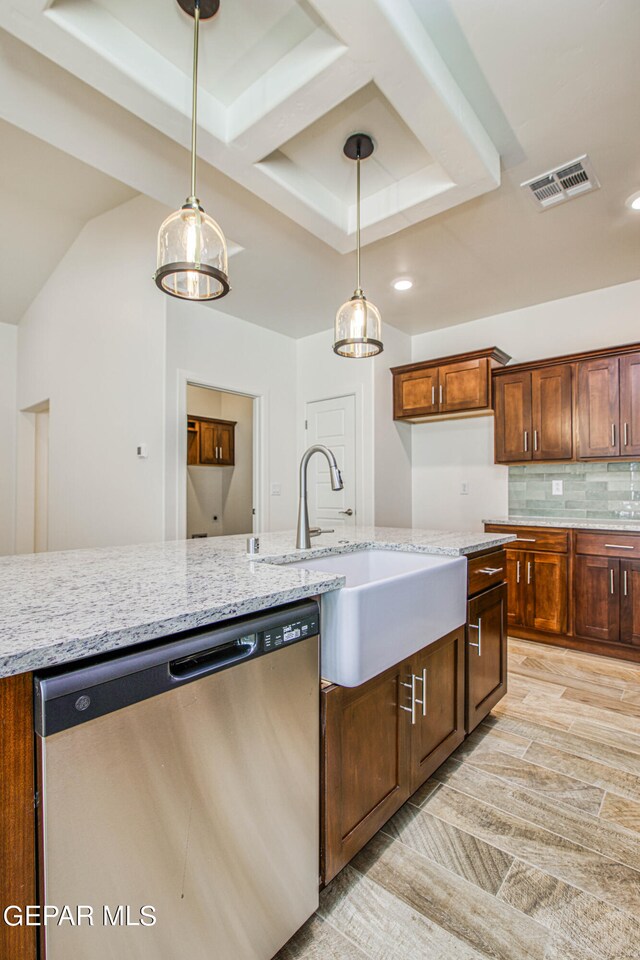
x: 333, y: 423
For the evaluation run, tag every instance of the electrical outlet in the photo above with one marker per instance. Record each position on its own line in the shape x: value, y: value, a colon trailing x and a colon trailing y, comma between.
x: 276, y: 489
x: 464, y: 488
x: 557, y: 488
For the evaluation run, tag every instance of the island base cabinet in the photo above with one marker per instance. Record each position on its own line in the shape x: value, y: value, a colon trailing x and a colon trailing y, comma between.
x: 382, y: 740
x: 486, y: 654
x: 437, y: 675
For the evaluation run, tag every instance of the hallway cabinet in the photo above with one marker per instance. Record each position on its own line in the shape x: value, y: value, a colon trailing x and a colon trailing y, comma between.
x: 210, y: 442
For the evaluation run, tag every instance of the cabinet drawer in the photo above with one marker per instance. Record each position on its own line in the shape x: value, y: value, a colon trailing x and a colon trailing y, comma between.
x: 486, y: 571
x: 534, y: 538
x: 624, y: 545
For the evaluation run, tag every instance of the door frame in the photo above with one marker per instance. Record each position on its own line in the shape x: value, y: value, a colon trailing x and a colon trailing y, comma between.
x: 260, y: 410
x: 363, y: 508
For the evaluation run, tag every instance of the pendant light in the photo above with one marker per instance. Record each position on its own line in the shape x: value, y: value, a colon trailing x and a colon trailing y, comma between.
x: 358, y: 329
x: 192, y: 250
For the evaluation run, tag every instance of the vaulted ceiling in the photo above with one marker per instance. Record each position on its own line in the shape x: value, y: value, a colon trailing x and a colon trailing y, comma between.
x: 465, y: 99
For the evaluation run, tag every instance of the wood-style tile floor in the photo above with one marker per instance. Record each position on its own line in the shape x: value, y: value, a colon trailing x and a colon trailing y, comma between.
x: 525, y: 844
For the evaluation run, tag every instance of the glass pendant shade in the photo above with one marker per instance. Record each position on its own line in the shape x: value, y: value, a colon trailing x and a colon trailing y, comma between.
x: 358, y: 330
x: 192, y: 255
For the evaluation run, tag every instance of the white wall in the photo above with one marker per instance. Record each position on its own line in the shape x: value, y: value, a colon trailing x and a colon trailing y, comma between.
x: 8, y: 366
x: 384, y: 447
x: 92, y: 343
x: 448, y: 452
x: 209, y: 347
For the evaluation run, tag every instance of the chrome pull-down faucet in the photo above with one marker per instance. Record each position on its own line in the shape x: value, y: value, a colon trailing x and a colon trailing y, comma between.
x: 304, y: 534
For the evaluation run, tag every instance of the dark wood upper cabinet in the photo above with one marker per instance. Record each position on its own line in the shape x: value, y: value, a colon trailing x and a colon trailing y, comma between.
x: 210, y: 443
x: 465, y: 385
x: 552, y: 413
x: 513, y: 417
x: 416, y: 393
x: 598, y: 408
x: 630, y: 405
x: 447, y: 387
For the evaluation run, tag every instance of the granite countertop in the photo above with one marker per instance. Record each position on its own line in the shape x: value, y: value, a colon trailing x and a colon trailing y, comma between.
x: 631, y: 526
x: 64, y: 606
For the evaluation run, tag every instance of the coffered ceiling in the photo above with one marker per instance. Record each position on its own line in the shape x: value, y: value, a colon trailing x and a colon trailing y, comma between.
x: 465, y: 100
x: 283, y: 84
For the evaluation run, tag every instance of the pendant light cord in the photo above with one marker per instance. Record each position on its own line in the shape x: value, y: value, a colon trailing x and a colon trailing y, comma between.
x: 358, y: 216
x: 194, y: 96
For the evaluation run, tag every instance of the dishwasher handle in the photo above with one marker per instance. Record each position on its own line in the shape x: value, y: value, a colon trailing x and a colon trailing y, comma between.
x: 201, y: 663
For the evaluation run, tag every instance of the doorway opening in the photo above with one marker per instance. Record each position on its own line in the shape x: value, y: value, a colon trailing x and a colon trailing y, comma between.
x: 220, y: 462
x: 32, y: 519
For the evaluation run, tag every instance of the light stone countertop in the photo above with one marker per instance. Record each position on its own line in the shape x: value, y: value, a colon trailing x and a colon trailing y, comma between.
x: 63, y: 606
x: 631, y: 526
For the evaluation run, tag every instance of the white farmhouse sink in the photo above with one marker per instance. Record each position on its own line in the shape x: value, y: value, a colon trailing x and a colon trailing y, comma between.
x: 393, y: 605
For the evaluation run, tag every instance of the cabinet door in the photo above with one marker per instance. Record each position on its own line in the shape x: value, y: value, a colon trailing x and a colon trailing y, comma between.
x: 486, y: 654
x: 597, y: 605
x: 365, y: 762
x: 225, y: 446
x: 513, y: 417
x: 438, y: 727
x: 598, y: 413
x: 551, y: 412
x: 208, y: 442
x: 416, y: 393
x: 630, y: 602
x: 630, y: 405
x: 464, y: 385
x: 547, y: 592
x: 516, y: 596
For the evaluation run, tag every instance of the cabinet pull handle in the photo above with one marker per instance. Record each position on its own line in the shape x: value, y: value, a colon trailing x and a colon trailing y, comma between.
x: 525, y: 539
x: 613, y: 583
x: 491, y: 570
x: 528, y: 571
x: 619, y: 546
x: 472, y: 626
x: 625, y: 582
x: 423, y: 681
x: 626, y: 434
x: 433, y: 396
x: 526, y: 441
x: 535, y: 439
x: 613, y: 434
x: 517, y: 571
x: 441, y: 394
x: 412, y: 708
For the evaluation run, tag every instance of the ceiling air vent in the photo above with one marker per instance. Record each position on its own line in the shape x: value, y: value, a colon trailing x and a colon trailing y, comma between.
x: 563, y: 183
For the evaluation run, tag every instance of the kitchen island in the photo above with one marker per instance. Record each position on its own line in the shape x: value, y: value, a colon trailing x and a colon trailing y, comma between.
x: 60, y: 608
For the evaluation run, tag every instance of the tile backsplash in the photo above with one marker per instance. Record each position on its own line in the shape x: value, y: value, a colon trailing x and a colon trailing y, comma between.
x: 598, y: 491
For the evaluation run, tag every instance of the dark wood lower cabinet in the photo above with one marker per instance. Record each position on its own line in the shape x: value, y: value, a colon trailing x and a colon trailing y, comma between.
x: 377, y: 751
x: 486, y: 654
x: 538, y: 591
x: 17, y: 814
x: 596, y: 600
x: 437, y: 673
x: 365, y: 758
x: 630, y: 602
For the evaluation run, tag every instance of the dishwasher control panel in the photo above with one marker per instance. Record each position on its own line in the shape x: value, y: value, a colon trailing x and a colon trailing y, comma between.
x: 288, y: 633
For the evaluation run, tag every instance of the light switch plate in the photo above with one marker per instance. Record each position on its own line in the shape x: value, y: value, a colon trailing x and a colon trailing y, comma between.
x: 276, y: 489
x: 557, y: 488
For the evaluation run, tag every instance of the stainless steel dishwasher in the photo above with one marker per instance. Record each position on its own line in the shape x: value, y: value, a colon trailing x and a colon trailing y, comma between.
x: 183, y: 777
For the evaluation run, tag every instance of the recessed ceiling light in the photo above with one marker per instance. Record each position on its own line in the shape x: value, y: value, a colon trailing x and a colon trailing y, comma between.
x: 402, y: 284
x: 633, y: 202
